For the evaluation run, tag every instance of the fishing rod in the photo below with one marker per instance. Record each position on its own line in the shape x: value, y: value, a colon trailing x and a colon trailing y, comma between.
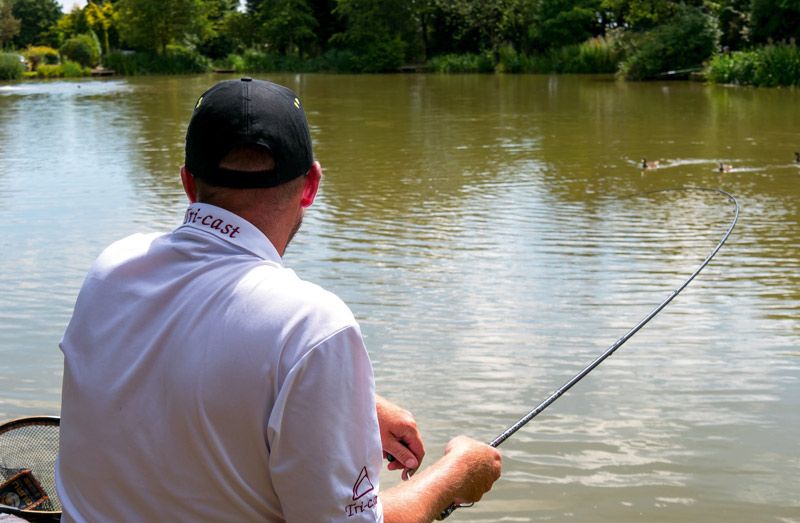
x: 568, y: 385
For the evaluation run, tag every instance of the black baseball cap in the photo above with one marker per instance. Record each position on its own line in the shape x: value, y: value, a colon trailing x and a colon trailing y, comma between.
x: 248, y: 112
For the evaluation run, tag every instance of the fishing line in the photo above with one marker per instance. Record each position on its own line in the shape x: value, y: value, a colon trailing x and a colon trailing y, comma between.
x: 564, y: 388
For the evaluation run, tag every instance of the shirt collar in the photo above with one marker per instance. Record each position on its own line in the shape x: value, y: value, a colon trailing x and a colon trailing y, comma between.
x: 229, y: 227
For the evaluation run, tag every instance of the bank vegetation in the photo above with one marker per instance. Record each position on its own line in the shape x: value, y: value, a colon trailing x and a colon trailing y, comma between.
x: 748, y: 42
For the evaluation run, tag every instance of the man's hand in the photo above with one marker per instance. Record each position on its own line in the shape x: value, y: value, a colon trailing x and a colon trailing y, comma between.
x: 399, y: 436
x: 483, y: 463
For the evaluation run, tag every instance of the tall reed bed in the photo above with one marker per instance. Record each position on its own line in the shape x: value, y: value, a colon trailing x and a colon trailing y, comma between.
x: 596, y: 55
x: 769, y: 66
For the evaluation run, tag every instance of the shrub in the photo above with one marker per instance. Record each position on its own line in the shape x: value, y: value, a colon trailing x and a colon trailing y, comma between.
x: 597, y: 55
x: 11, y: 68
x: 232, y: 61
x: 769, y: 66
x: 122, y: 62
x: 336, y: 61
x: 84, y: 49
x: 177, y: 60
x: 182, y: 60
x: 689, y: 39
x: 66, y: 69
x: 41, y: 55
x: 509, y: 61
x: 383, y: 55
x: 263, y: 62
x: 462, y: 63
x: 49, y: 71
x: 73, y: 69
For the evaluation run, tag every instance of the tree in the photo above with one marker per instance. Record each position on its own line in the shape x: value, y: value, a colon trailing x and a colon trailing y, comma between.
x: 772, y: 20
x: 82, y: 48
x: 376, y: 30
x: 690, y: 38
x: 286, y: 25
x: 101, y: 18
x: 71, y: 24
x: 219, y: 42
x: 9, y: 26
x: 558, y: 23
x: 328, y: 24
x: 154, y: 24
x: 476, y: 25
x: 240, y: 27
x: 36, y: 18
x: 644, y: 14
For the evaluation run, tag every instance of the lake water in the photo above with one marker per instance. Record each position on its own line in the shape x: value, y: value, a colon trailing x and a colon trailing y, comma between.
x: 489, y: 234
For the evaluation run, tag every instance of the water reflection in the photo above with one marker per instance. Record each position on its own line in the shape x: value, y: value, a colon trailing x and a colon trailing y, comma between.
x: 477, y: 226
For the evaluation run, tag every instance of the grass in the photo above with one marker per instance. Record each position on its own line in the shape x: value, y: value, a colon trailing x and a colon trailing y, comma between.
x: 775, y: 65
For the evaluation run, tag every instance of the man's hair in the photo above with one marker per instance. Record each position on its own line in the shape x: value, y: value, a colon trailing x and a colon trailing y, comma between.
x: 249, y: 158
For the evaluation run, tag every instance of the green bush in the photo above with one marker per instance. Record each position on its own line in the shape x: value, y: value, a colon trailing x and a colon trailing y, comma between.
x: 596, y: 55
x: 84, y: 49
x: 254, y: 61
x: 688, y: 40
x: 121, y: 62
x: 509, y: 61
x: 232, y: 61
x: 177, y: 60
x: 263, y: 62
x: 41, y: 55
x: 336, y: 61
x: 384, y: 55
x: 462, y: 63
x: 10, y: 67
x: 66, y: 69
x: 769, y: 66
x: 74, y: 69
x: 49, y: 71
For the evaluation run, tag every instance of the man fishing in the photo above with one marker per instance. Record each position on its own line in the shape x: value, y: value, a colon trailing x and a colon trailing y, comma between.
x: 205, y: 381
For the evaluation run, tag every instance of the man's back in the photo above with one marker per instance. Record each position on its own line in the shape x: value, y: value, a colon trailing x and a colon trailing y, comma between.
x: 197, y: 369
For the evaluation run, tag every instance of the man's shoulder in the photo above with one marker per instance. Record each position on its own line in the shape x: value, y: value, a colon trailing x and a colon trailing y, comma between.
x: 296, y: 291
x: 133, y: 246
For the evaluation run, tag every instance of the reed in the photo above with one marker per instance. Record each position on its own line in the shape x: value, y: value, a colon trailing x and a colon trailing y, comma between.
x: 596, y: 55
x: 462, y: 63
x: 774, y: 65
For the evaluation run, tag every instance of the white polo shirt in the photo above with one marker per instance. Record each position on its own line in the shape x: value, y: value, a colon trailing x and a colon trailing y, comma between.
x: 205, y: 381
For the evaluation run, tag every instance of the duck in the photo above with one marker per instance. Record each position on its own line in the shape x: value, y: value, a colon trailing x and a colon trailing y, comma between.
x: 723, y: 168
x: 648, y: 165
x: 796, y: 157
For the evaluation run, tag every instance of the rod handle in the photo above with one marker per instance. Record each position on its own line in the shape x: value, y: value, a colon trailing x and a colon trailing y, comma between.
x: 446, y: 512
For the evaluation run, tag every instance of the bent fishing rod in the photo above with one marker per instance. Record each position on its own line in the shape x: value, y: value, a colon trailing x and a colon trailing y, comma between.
x: 568, y: 385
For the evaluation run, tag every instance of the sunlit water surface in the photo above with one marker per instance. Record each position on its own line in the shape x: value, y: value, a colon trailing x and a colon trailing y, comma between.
x: 483, y: 231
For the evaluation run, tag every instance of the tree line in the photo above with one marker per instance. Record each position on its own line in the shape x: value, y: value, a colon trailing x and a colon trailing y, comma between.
x: 642, y: 37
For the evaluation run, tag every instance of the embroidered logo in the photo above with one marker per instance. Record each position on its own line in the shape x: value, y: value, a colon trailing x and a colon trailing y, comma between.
x: 218, y: 225
x: 363, y: 485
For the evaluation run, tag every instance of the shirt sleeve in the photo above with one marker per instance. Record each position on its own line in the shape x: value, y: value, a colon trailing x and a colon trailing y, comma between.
x: 323, y: 436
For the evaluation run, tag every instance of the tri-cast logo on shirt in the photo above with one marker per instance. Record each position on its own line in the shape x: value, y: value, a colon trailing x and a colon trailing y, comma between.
x: 217, y: 225
x: 361, y: 488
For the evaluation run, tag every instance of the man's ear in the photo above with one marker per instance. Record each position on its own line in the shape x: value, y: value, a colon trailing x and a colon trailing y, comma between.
x: 311, y: 185
x: 188, y: 184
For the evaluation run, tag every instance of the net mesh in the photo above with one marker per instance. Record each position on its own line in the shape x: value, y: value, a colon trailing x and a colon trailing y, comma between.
x: 32, y: 445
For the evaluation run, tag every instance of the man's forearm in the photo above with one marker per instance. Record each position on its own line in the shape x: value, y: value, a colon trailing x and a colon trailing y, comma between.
x: 423, y: 497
